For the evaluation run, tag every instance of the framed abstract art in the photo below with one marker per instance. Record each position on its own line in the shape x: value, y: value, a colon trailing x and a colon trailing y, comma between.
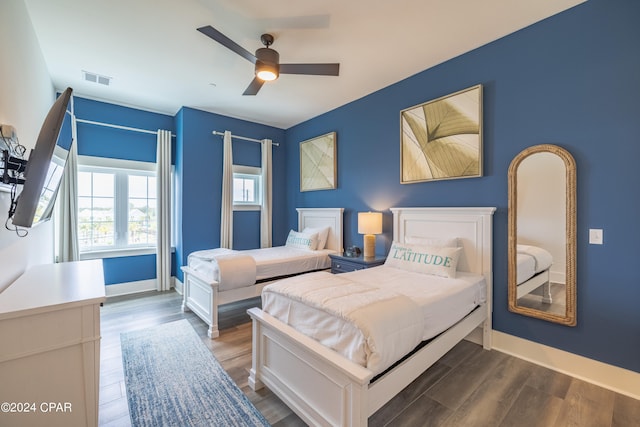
x: 318, y: 163
x: 442, y: 138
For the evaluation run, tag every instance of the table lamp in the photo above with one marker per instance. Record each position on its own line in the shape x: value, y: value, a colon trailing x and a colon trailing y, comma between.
x: 369, y: 224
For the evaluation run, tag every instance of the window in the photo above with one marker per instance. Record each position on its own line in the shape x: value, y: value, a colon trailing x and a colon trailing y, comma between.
x: 96, y: 210
x: 142, y: 225
x: 247, y: 182
x: 116, y: 206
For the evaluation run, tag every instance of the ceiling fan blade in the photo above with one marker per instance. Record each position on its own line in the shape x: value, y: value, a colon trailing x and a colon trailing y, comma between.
x: 253, y: 87
x: 313, y: 69
x: 225, y: 41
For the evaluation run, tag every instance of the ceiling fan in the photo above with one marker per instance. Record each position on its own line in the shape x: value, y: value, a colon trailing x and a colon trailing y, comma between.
x: 267, y: 61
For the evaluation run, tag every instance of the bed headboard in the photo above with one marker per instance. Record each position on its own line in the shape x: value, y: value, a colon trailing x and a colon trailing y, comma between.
x: 472, y: 227
x: 324, y: 217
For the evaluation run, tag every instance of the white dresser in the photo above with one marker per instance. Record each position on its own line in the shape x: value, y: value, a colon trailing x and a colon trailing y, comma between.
x: 50, y: 345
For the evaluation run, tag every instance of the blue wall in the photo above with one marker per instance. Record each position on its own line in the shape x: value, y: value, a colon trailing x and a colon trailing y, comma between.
x: 199, y: 168
x: 100, y: 141
x: 571, y: 80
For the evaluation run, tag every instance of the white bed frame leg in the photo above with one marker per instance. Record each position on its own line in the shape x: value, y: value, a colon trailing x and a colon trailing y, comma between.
x: 213, y: 332
x: 546, y: 293
x: 213, y: 328
x: 256, y: 358
x: 185, y: 293
x: 487, y: 325
x: 487, y: 335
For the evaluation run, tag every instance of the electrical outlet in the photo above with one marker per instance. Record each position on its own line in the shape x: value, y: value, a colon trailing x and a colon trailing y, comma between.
x: 595, y: 236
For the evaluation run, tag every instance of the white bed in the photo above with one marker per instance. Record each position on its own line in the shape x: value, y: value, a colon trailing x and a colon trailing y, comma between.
x: 427, y: 306
x: 204, y: 290
x: 278, y: 261
x: 533, y: 267
x: 325, y: 388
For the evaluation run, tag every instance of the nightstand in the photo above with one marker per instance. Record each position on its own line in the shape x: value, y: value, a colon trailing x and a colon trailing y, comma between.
x: 344, y: 264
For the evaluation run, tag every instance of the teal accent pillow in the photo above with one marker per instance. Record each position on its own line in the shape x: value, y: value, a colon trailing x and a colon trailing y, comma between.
x: 437, y: 261
x: 302, y: 240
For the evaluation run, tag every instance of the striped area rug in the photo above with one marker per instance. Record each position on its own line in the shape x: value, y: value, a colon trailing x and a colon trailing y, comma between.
x: 172, y: 379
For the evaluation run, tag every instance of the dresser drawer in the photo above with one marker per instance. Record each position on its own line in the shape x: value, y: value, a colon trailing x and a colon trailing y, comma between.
x: 341, y: 266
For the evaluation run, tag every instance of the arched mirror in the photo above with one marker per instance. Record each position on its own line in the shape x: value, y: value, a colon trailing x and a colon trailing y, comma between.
x: 542, y: 234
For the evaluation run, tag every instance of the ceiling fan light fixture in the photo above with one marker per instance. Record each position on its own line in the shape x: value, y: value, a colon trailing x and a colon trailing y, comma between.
x: 267, y: 76
x: 266, y: 72
x: 267, y: 60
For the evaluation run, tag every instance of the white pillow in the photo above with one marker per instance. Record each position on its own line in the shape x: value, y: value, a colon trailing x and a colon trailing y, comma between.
x: 302, y: 240
x: 437, y: 261
x: 323, y: 235
x: 432, y: 241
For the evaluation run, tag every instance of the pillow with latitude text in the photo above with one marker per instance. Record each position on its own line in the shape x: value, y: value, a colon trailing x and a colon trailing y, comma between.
x: 437, y: 261
x: 302, y: 240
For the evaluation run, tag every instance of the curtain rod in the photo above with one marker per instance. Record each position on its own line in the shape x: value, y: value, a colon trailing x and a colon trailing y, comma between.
x: 215, y: 132
x: 91, y: 122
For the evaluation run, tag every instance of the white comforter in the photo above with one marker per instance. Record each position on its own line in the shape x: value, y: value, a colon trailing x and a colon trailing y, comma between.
x: 270, y: 262
x: 542, y: 257
x: 231, y: 269
x: 375, y: 316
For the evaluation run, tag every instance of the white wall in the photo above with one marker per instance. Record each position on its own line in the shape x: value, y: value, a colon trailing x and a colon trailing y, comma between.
x: 26, y: 94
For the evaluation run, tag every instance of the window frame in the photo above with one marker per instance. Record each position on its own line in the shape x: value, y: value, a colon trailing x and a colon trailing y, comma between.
x: 255, y: 174
x: 122, y: 169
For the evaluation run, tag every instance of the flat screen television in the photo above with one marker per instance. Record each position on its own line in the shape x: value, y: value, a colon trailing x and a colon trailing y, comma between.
x: 44, y: 169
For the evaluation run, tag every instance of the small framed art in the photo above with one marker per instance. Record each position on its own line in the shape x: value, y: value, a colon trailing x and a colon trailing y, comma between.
x: 318, y: 163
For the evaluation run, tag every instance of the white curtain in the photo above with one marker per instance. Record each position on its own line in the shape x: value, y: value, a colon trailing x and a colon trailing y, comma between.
x: 68, y: 249
x: 163, y: 177
x: 265, y: 215
x: 226, y: 210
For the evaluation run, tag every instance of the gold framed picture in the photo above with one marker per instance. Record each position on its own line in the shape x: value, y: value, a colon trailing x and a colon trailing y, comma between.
x: 318, y: 163
x: 442, y: 139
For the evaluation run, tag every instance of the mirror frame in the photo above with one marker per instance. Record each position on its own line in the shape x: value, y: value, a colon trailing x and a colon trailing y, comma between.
x: 569, y: 319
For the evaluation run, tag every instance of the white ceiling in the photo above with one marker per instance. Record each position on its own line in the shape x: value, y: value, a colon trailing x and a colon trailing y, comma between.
x: 159, y: 62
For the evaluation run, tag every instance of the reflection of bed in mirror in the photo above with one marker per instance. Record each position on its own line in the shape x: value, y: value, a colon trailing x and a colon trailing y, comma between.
x: 533, y: 266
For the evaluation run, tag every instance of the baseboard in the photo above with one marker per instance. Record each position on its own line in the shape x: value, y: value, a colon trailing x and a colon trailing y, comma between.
x: 475, y: 336
x: 119, y: 289
x: 611, y: 377
x: 128, y: 288
x: 177, y: 284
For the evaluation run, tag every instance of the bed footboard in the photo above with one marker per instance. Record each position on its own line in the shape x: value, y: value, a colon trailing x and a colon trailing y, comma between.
x: 204, y: 298
x: 322, y: 387
x: 201, y: 297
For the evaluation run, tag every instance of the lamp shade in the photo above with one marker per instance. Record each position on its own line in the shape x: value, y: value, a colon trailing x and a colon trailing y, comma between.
x: 369, y: 223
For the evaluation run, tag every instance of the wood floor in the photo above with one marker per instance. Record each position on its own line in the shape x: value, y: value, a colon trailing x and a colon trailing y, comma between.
x: 467, y: 387
x: 558, y: 296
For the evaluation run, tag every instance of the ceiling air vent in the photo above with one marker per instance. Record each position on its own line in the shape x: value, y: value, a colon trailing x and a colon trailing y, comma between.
x: 96, y: 78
